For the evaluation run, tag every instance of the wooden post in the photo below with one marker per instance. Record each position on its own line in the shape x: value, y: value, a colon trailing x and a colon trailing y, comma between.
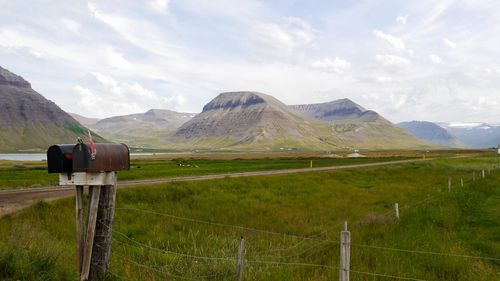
x: 94, y: 193
x: 396, y: 208
x: 103, y: 233
x: 483, y: 174
x: 462, y: 182
x: 241, y: 256
x: 345, y: 253
x: 79, y: 227
x: 311, y: 164
x: 449, y: 184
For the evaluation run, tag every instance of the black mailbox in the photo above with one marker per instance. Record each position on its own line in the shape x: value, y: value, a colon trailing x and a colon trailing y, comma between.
x: 60, y: 158
x: 109, y: 157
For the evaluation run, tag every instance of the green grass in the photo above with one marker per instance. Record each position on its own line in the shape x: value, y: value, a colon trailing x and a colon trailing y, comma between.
x: 38, y: 243
x: 18, y: 175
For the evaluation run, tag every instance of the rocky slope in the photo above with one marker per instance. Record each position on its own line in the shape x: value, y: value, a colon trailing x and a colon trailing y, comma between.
x: 28, y: 121
x: 256, y: 120
x: 363, y: 128
x: 431, y: 132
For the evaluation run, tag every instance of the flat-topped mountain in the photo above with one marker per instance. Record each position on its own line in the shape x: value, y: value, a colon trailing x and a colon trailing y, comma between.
x: 431, y: 132
x: 142, y: 129
x: 28, y: 121
x: 252, y: 119
x: 357, y: 125
x: 335, y: 110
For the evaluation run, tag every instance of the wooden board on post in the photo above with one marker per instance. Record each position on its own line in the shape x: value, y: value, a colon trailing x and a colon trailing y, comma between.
x: 94, y: 193
x: 79, y: 227
x: 103, y: 233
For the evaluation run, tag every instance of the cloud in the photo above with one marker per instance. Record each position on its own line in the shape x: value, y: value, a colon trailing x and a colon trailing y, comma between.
x: 392, y: 60
x: 449, y: 43
x: 284, y: 38
x: 435, y: 59
x: 402, y: 19
x: 394, y: 41
x: 159, y: 6
x: 103, y: 95
x: 70, y: 25
x: 336, y: 65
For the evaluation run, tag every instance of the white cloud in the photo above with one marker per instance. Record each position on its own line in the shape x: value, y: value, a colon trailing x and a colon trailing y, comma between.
x: 103, y: 95
x: 383, y: 79
x: 159, y: 6
x: 70, y: 25
x: 282, y: 39
x: 449, y: 43
x: 394, y: 41
x: 336, y: 65
x: 392, y: 60
x: 435, y: 59
x: 402, y: 19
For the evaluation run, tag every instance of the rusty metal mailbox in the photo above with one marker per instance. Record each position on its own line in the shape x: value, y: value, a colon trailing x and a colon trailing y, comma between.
x: 60, y: 158
x: 109, y: 157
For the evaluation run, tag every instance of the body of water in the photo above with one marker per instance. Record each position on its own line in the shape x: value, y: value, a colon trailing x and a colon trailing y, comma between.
x: 24, y: 156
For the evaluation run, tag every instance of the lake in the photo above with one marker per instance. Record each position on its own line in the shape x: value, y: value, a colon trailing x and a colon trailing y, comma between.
x: 24, y: 156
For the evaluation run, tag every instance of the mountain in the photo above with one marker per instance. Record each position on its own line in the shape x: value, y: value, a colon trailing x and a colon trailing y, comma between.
x: 28, y: 121
x: 142, y: 129
x: 85, y: 121
x: 255, y: 120
x: 366, y: 128
x: 335, y: 110
x: 431, y: 132
x: 478, y: 135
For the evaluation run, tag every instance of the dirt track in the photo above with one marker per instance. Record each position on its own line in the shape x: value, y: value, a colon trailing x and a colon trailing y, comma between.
x: 16, y: 199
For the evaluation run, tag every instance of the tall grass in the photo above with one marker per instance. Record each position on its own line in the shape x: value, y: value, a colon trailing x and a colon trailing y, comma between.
x: 38, y: 243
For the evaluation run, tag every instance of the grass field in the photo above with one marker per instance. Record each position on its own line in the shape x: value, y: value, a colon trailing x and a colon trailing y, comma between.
x: 34, y: 174
x: 305, y: 213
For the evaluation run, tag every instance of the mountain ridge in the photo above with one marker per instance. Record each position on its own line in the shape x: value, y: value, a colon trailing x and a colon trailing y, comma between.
x: 431, y: 132
x: 28, y: 121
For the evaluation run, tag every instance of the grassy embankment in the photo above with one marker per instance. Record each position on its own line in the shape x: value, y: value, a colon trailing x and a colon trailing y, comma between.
x: 38, y: 243
x: 18, y: 175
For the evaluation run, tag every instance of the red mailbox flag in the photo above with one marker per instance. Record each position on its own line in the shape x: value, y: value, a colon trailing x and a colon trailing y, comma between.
x: 93, y: 150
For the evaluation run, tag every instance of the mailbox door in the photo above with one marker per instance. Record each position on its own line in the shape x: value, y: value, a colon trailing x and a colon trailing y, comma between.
x: 60, y: 158
x: 109, y: 157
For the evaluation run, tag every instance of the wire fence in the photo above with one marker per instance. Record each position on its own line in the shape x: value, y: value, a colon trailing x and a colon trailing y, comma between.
x: 275, y: 257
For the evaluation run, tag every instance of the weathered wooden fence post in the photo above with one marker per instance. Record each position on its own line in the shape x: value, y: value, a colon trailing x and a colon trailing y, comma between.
x: 311, y: 164
x: 79, y: 227
x: 241, y: 257
x: 449, y: 184
x: 345, y: 253
x: 484, y: 175
x: 396, y: 208
x: 462, y: 182
x: 103, y: 233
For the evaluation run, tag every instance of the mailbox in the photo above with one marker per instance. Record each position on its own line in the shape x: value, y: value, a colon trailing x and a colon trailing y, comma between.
x: 60, y: 158
x: 109, y: 157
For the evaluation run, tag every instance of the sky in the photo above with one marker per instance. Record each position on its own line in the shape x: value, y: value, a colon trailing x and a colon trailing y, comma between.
x: 408, y: 60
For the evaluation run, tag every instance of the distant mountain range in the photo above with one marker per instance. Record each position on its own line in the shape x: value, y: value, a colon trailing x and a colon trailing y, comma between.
x: 251, y: 120
x: 30, y: 122
x: 432, y: 133
x: 479, y: 135
x: 147, y: 129
x: 233, y: 120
